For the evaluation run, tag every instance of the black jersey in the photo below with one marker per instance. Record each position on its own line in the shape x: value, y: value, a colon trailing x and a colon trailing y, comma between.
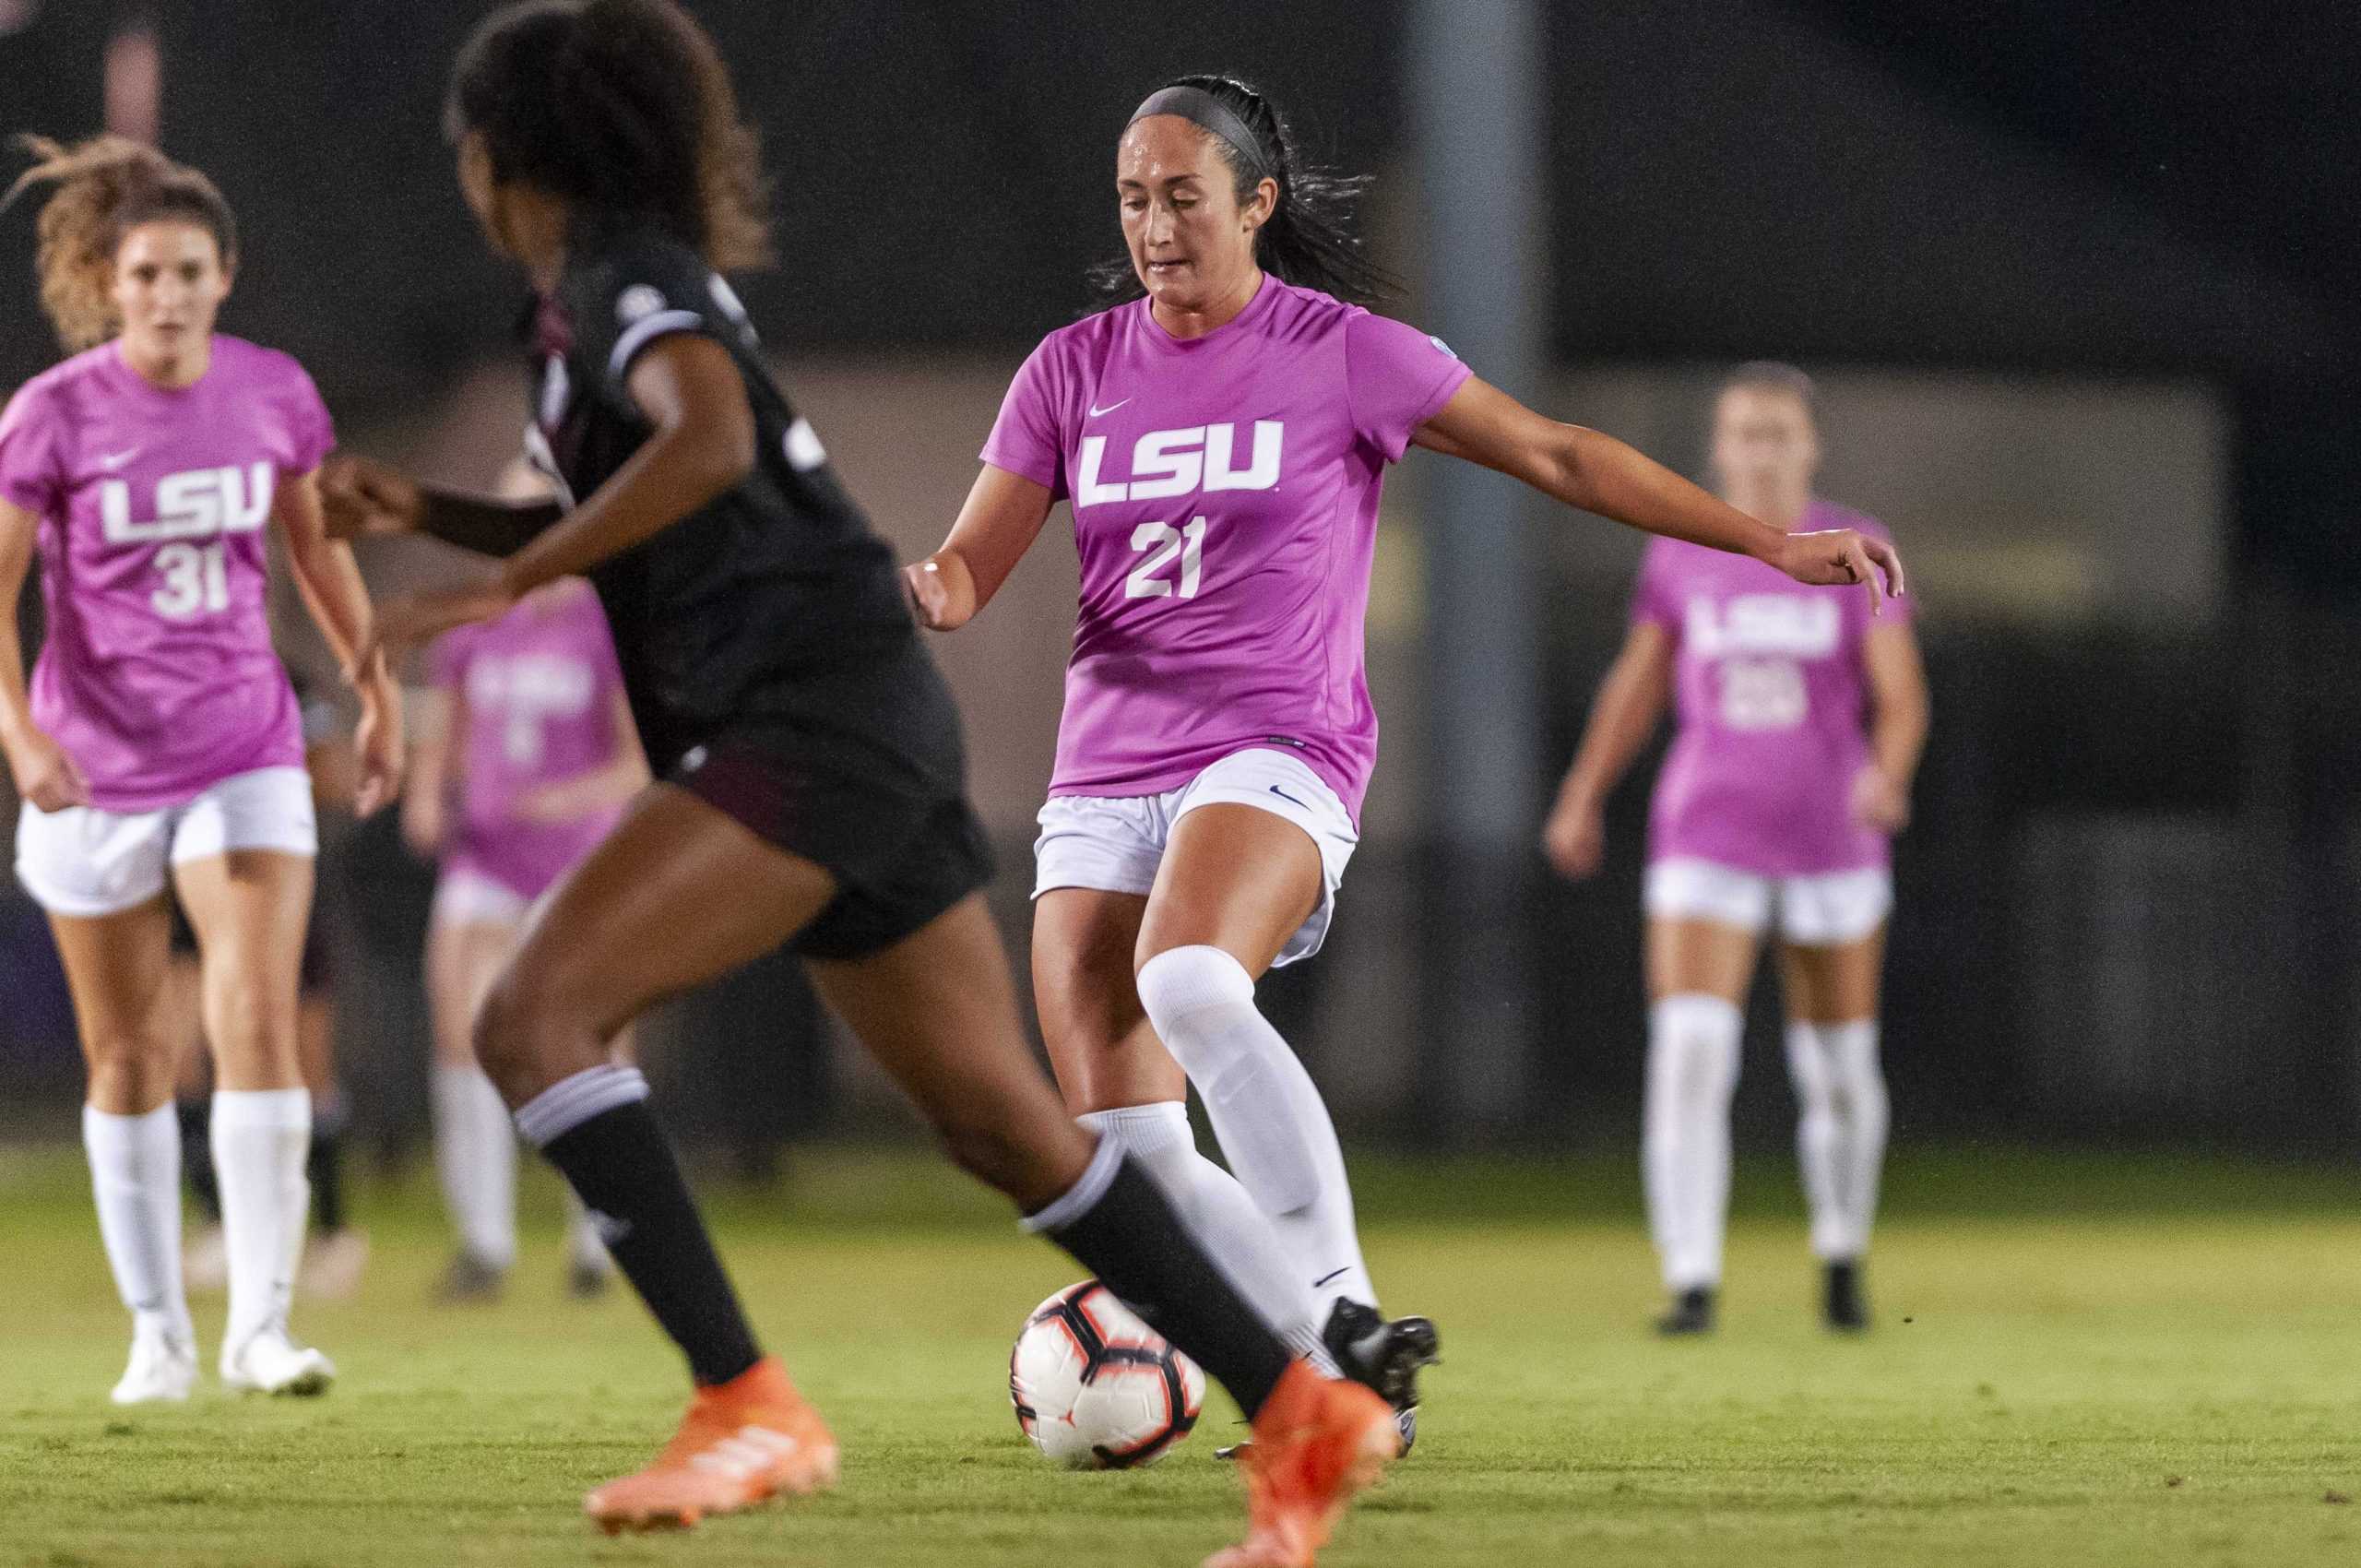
x: 725, y: 615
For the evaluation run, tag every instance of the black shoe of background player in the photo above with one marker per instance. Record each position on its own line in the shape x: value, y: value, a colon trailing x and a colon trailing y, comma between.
x: 587, y: 1279
x: 1691, y: 1313
x: 1386, y: 1356
x: 468, y: 1280
x: 1847, y: 1306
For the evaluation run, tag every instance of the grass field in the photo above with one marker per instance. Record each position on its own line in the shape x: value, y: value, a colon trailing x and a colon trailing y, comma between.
x: 2077, y: 1361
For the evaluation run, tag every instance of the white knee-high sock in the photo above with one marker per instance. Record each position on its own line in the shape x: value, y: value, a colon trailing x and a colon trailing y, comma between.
x: 136, y: 1177
x: 1239, y: 1236
x: 1692, y: 1071
x: 1268, y: 1115
x: 260, y: 1140
x: 475, y: 1154
x: 1841, y: 1131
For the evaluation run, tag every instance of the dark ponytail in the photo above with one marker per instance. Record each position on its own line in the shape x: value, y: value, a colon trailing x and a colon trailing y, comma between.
x: 622, y: 109
x: 1309, y: 239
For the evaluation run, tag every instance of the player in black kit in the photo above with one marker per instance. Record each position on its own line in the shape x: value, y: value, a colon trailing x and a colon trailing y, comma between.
x: 811, y: 786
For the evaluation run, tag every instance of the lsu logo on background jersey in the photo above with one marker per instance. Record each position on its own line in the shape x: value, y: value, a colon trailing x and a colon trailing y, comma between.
x: 1791, y: 625
x: 193, y: 504
x: 528, y: 691
x: 1758, y: 642
x: 1181, y: 462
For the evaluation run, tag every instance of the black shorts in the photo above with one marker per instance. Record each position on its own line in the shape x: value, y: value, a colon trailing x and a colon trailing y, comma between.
x: 860, y: 771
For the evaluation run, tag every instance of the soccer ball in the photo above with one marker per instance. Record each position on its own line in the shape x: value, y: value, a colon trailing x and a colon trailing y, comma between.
x: 1096, y: 1388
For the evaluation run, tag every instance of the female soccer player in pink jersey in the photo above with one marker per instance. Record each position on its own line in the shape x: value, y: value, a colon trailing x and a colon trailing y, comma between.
x: 533, y: 762
x: 1800, y: 721
x: 1222, y: 442
x: 160, y: 738
x: 812, y: 790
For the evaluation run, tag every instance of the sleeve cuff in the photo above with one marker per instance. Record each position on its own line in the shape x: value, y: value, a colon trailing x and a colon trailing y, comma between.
x: 646, y: 331
x: 1043, y: 473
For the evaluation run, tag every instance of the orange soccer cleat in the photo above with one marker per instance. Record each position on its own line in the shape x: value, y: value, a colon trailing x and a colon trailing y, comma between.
x: 1317, y: 1442
x: 741, y: 1442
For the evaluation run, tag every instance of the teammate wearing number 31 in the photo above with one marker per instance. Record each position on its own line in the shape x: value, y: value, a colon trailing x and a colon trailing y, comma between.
x: 1222, y: 442
x: 161, y: 740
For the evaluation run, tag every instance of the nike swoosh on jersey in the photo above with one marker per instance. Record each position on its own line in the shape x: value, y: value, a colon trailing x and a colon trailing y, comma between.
x: 117, y: 459
x: 1096, y: 410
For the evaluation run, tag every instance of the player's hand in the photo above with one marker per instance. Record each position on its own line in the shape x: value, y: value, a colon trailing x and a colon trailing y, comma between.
x: 1575, y: 840
x: 378, y: 746
x: 943, y: 595
x: 1842, y: 556
x: 360, y: 497
x: 416, y: 619
x: 46, y: 776
x: 1879, y: 804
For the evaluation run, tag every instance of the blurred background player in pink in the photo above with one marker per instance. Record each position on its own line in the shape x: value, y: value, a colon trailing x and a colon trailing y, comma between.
x: 529, y: 764
x: 1223, y: 436
x: 1799, y: 725
x: 159, y: 738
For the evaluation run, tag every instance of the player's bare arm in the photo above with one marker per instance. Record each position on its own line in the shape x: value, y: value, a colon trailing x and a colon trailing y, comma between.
x: 1594, y: 472
x: 1002, y: 516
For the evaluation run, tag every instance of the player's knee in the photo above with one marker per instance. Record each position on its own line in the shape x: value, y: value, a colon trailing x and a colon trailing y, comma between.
x: 1183, y: 986
x: 518, y: 1033
x: 998, y: 1150
x: 131, y: 1074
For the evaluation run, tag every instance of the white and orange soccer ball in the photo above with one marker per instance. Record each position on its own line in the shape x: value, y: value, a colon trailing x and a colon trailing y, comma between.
x: 1096, y: 1388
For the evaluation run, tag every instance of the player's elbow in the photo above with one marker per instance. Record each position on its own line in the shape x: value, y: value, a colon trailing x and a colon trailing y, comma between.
x: 712, y: 458
x: 1565, y: 467
x: 729, y: 456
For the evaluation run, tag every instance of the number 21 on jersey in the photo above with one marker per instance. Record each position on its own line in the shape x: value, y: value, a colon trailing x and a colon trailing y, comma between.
x: 1162, y: 544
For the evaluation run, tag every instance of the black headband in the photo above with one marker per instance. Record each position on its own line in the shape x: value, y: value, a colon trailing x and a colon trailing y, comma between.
x: 1207, y: 113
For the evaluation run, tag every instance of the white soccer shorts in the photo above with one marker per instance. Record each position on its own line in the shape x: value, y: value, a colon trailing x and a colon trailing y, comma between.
x: 1114, y: 843
x: 1828, y: 910
x: 464, y: 895
x: 91, y: 862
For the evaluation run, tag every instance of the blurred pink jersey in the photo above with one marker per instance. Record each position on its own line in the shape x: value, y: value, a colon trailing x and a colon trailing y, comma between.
x: 1769, y: 693
x: 537, y: 695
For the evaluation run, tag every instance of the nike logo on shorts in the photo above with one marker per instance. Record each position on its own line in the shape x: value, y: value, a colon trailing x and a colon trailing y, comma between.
x: 1285, y: 796
x: 1329, y: 1275
x: 1096, y: 410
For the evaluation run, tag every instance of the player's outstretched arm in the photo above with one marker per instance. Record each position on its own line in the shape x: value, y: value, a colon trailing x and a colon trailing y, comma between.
x: 1631, y: 700
x: 1598, y: 473
x: 330, y: 583
x: 700, y: 447
x: 362, y: 498
x: 1002, y: 516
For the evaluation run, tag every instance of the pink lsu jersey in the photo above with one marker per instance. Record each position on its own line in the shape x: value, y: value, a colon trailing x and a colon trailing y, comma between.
x: 1770, y: 704
x: 156, y: 674
x: 536, y: 693
x: 1225, y: 495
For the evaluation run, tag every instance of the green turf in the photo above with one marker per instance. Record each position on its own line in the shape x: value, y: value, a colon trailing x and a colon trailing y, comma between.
x: 2079, y: 1361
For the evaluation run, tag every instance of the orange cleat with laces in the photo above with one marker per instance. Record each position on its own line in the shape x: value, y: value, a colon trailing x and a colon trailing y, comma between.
x: 741, y: 1443
x: 1317, y: 1443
